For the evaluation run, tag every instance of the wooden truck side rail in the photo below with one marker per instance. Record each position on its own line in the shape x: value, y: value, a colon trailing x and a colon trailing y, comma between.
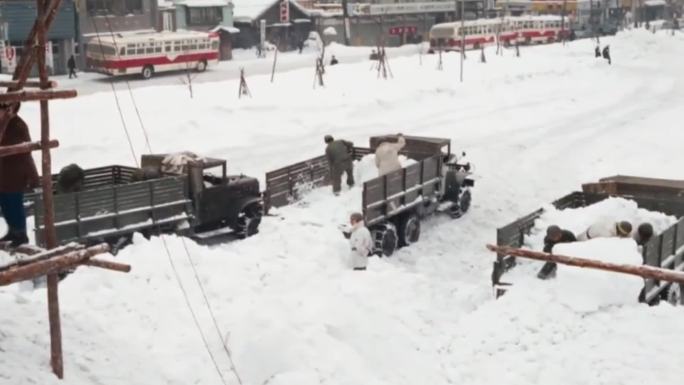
x: 116, y: 209
x: 393, y: 193
x: 285, y: 185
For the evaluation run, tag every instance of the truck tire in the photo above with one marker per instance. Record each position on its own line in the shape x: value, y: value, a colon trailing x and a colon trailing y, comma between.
x: 386, y: 240
x: 409, y: 229
x: 462, y: 206
x: 249, y: 220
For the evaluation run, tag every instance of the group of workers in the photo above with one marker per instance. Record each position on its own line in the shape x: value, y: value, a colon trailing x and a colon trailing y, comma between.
x: 340, y: 156
x: 621, y: 229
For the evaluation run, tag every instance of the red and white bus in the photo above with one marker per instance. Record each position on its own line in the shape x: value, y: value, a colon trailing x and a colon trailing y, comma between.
x: 484, y: 32
x: 148, y: 53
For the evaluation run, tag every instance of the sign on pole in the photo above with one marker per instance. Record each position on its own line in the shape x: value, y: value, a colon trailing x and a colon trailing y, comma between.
x: 285, y: 11
x: 8, y: 57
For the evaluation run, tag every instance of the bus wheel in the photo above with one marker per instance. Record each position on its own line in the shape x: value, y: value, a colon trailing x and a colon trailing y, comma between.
x: 147, y: 72
x: 202, y: 66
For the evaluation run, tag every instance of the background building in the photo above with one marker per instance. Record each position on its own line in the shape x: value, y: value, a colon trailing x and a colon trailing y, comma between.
x: 16, y: 20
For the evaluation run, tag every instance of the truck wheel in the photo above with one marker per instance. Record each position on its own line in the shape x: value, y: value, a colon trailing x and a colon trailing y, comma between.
x: 385, y: 240
x: 462, y: 206
x: 249, y: 220
x: 674, y: 294
x: 409, y: 230
x: 147, y: 72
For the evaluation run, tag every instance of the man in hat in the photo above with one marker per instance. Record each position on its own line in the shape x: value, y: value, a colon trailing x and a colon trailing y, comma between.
x: 339, y: 155
x: 18, y: 175
x: 622, y: 229
x: 554, y: 236
x: 643, y: 234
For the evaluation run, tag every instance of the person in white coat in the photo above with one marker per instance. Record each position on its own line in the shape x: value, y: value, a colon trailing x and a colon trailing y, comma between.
x: 360, y: 241
x: 606, y: 229
x: 387, y: 156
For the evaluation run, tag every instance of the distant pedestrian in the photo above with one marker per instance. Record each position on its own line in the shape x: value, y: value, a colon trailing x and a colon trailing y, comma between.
x: 606, y: 53
x: 333, y: 60
x: 554, y: 236
x: 361, y: 242
x: 300, y: 46
x: 18, y: 175
x: 387, y: 155
x: 374, y: 55
x: 71, y: 64
x: 597, y: 51
x: 339, y: 155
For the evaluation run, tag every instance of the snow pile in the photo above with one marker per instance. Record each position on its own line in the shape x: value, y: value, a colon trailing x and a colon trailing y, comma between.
x: 606, y: 211
x: 587, y: 290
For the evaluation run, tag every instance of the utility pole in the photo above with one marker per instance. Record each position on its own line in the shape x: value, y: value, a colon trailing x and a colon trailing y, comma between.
x: 563, y: 33
x: 345, y: 20
x: 462, y: 36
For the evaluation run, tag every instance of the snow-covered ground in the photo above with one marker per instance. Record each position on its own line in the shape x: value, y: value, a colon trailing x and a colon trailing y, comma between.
x: 287, y: 304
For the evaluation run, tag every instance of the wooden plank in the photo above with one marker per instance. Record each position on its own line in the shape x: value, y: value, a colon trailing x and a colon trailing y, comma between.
x: 27, y: 84
x: 24, y: 148
x: 32, y: 96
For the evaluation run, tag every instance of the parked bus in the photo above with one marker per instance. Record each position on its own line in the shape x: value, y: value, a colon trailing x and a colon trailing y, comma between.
x: 483, y: 32
x: 150, y: 53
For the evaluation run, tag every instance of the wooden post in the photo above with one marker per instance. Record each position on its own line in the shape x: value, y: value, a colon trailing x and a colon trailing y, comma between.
x: 49, y: 232
x: 642, y: 271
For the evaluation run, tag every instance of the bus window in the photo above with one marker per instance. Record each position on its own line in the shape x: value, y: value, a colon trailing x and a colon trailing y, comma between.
x: 149, y: 49
x: 157, y: 48
x: 176, y: 46
x: 193, y: 45
x: 214, y: 45
x: 122, y: 51
x: 140, y: 50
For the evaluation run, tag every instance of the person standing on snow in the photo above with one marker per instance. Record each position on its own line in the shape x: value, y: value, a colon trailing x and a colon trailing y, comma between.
x: 360, y: 241
x: 554, y: 236
x: 18, y: 175
x: 606, y: 53
x: 339, y: 155
x: 387, y: 155
x: 597, y: 51
x: 333, y: 61
x: 622, y: 229
x: 71, y: 65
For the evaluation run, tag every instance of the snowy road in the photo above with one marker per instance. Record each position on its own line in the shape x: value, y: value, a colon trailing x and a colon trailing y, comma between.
x: 89, y: 83
x: 535, y: 127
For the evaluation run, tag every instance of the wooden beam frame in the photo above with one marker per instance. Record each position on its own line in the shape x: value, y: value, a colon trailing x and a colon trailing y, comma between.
x: 23, y: 148
x: 27, y: 84
x: 32, y: 96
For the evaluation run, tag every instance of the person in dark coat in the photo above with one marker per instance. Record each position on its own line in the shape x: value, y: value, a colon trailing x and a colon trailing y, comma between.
x: 71, y: 64
x: 18, y: 174
x: 554, y: 236
x: 339, y: 155
x: 597, y: 51
x: 333, y: 60
x: 606, y: 53
x: 643, y: 234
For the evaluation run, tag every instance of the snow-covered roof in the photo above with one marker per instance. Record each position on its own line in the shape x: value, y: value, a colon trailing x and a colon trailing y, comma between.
x: 249, y: 10
x: 165, y: 4
x: 655, y: 3
x: 225, y: 28
x: 202, y: 3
